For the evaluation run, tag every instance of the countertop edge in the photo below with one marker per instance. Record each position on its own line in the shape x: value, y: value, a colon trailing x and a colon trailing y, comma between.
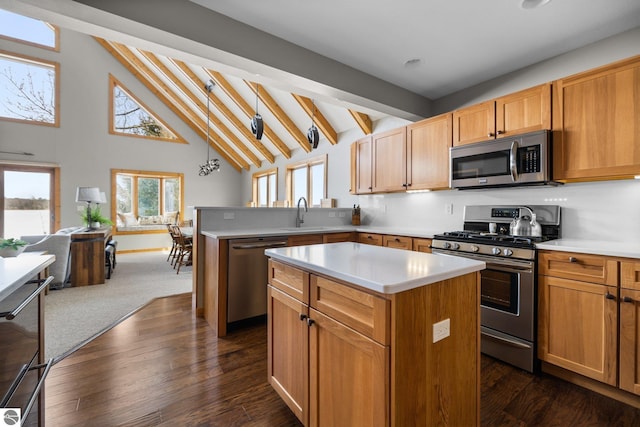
x: 593, y: 247
x: 23, y: 272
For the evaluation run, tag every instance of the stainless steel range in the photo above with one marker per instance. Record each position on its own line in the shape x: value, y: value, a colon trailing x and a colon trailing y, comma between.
x: 509, y: 283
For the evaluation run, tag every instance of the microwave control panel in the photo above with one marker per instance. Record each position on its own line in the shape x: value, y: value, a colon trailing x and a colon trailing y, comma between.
x: 529, y: 159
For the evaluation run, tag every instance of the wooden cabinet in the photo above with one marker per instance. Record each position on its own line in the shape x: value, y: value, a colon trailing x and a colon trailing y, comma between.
x: 304, y: 239
x: 422, y: 245
x: 389, y: 161
x: 428, y: 143
x: 87, y: 256
x: 595, y: 123
x: 398, y: 242
x: 349, y: 236
x: 520, y: 112
x: 370, y: 238
x: 630, y: 326
x: 363, y: 165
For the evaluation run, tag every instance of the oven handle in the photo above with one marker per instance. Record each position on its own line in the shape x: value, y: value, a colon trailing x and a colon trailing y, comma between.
x: 513, y: 165
x: 505, y: 340
x: 500, y: 267
x: 13, y: 313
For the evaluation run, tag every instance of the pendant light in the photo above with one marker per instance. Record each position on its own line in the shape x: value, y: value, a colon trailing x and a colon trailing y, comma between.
x: 257, y: 126
x: 312, y: 134
x: 211, y: 164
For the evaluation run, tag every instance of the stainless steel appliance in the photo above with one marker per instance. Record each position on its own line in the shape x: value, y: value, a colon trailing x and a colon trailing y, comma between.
x: 248, y: 276
x: 510, y: 161
x: 508, y: 302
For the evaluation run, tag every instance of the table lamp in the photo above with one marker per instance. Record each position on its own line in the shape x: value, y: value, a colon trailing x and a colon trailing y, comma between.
x: 88, y: 194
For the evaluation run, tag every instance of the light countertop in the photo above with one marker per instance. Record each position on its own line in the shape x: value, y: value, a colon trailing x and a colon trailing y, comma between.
x: 380, y: 269
x: 15, y: 271
x: 310, y: 229
x: 595, y: 247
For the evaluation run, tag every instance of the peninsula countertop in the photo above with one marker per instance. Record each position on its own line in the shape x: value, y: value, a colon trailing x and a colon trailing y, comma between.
x: 15, y: 271
x: 378, y: 268
x: 311, y: 229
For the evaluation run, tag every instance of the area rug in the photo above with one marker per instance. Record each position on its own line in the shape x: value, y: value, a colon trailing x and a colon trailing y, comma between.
x: 75, y: 315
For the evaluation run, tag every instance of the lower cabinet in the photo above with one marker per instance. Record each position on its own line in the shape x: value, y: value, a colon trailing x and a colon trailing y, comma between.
x: 422, y: 245
x: 629, y: 345
x: 398, y: 242
x: 370, y: 239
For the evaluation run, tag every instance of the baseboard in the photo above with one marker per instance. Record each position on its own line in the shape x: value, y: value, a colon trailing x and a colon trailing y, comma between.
x: 130, y: 251
x: 593, y: 385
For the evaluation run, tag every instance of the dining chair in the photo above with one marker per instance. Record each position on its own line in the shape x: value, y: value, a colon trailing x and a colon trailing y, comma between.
x: 185, y: 247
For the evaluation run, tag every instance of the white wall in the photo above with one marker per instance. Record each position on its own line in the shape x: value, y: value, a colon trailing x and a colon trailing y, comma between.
x: 86, y: 152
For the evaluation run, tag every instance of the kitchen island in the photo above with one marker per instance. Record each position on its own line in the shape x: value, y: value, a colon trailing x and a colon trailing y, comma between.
x: 374, y: 336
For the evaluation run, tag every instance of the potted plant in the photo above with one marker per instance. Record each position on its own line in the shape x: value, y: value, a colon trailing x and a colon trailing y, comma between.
x: 11, y: 247
x: 96, y: 219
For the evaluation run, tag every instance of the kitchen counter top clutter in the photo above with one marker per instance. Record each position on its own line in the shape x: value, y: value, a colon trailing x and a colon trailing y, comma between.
x: 380, y: 269
x: 15, y: 271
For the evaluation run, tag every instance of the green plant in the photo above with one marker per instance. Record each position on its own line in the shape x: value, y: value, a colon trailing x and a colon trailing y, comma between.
x: 11, y: 243
x: 95, y: 216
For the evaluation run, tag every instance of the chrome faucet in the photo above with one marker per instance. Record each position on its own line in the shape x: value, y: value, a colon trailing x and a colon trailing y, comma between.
x: 300, y: 219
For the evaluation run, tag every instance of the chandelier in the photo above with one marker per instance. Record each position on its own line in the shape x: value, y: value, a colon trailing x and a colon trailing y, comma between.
x: 210, y: 165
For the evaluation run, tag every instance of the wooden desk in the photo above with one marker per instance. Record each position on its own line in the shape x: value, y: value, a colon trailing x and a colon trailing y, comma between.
x: 87, y: 256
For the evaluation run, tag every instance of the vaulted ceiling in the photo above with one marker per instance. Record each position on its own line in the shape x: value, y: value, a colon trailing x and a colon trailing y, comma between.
x: 232, y: 104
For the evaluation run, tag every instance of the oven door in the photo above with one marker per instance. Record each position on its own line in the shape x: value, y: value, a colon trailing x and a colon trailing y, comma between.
x: 508, y: 298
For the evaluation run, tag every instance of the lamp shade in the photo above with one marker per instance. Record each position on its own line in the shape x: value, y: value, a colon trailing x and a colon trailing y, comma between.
x: 88, y: 194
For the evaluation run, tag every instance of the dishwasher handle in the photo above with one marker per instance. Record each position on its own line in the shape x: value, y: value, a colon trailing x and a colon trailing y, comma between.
x: 259, y: 245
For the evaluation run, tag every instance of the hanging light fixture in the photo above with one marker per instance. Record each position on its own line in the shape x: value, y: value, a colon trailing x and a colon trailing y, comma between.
x: 257, y: 126
x: 312, y: 134
x: 211, y: 164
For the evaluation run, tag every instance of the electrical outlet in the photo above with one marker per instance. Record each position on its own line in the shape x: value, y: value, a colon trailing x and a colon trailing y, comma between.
x: 332, y: 214
x: 441, y: 330
x: 341, y: 214
x: 229, y: 215
x: 448, y: 208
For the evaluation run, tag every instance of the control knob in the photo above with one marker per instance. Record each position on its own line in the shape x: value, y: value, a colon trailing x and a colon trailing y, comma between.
x: 495, y: 251
x: 474, y: 248
x: 455, y: 246
x: 508, y: 252
x: 446, y: 245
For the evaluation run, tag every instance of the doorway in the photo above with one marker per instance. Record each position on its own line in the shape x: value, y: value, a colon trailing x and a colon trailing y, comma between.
x: 29, y: 195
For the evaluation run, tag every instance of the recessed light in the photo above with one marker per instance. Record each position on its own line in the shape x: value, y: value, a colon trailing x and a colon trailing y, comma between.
x: 413, y: 62
x: 532, y: 4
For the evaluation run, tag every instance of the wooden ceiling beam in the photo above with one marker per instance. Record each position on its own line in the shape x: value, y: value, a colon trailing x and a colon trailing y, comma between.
x: 363, y: 121
x: 217, y: 102
x: 279, y: 114
x: 123, y: 55
x: 186, y: 91
x: 248, y: 110
x: 318, y: 118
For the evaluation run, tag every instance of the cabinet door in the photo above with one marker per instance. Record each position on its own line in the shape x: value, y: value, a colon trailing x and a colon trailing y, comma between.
x: 364, y: 163
x: 422, y: 245
x: 474, y: 124
x: 428, y: 143
x: 596, y: 116
x: 578, y: 327
x: 629, y: 342
x: 583, y: 267
x: 349, y: 376
x: 304, y: 239
x: 630, y: 275
x: 353, y: 185
x: 398, y: 242
x: 390, y: 161
x: 525, y: 111
x: 339, y: 237
x: 288, y: 351
x: 370, y: 239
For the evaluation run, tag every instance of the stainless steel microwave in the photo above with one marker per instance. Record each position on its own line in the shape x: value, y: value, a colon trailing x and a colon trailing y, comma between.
x: 511, y: 161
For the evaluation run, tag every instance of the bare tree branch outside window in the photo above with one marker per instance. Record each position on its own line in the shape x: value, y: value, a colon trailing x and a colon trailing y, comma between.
x: 27, y: 91
x: 131, y: 118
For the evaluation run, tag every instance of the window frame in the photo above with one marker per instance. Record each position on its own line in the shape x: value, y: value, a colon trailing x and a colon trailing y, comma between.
x: 322, y: 159
x: 254, y: 180
x: 56, y: 81
x: 54, y: 28
x: 113, y: 82
x: 136, y: 174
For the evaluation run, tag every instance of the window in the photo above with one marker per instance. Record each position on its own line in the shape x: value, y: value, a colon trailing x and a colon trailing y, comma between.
x: 146, y: 201
x: 265, y: 188
x: 309, y: 180
x: 28, y: 89
x: 27, y: 30
x: 129, y: 116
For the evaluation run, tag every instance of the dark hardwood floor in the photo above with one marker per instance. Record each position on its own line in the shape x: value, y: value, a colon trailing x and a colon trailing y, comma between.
x: 163, y: 367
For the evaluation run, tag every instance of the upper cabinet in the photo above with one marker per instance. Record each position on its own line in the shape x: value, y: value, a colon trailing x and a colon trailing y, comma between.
x: 363, y: 162
x: 389, y: 161
x: 524, y: 111
x: 428, y: 143
x: 596, y: 122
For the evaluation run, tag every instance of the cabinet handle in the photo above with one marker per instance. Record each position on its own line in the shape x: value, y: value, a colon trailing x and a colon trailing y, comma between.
x: 409, y: 185
x: 490, y: 135
x: 573, y: 259
x: 609, y: 295
x: 310, y: 321
x: 404, y: 185
x: 500, y: 132
x: 396, y: 239
x: 303, y: 316
x: 627, y: 299
x: 370, y: 188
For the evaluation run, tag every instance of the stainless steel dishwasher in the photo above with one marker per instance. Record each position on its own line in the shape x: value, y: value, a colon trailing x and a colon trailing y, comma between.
x: 248, y: 276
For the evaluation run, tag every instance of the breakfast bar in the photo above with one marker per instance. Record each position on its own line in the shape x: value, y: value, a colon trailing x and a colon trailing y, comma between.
x: 374, y: 336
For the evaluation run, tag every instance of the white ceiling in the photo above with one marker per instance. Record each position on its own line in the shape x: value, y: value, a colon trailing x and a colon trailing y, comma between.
x: 460, y: 43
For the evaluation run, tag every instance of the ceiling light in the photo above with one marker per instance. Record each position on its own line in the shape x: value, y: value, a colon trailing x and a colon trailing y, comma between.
x: 532, y: 4
x: 211, y: 164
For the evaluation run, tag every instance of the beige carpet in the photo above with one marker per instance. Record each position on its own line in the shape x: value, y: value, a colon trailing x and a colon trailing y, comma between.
x: 75, y: 315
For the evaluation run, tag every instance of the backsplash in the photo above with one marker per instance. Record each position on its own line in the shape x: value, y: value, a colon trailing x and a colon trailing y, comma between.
x: 608, y: 210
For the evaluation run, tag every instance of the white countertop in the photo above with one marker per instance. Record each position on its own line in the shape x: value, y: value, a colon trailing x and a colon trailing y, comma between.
x: 380, y: 269
x: 15, y: 271
x: 595, y: 247
x: 310, y: 229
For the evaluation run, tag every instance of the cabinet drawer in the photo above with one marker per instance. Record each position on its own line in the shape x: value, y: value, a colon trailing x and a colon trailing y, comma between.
x: 349, y: 236
x: 583, y: 267
x: 399, y: 242
x: 366, y: 313
x: 630, y: 275
x: 290, y: 280
x: 370, y: 239
x: 304, y: 239
x: 422, y: 245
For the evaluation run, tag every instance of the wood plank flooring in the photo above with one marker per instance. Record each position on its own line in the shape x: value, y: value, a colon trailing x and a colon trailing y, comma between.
x: 163, y: 367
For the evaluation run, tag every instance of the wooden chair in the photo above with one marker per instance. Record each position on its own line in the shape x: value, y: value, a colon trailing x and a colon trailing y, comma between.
x: 174, y: 242
x: 185, y: 247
